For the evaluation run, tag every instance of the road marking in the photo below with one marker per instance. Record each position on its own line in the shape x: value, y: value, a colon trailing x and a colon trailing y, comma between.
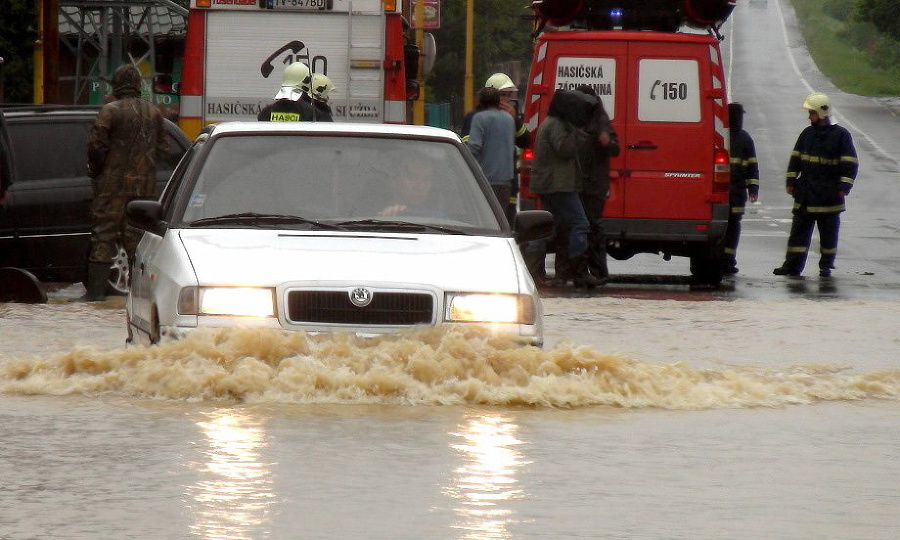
x: 809, y: 87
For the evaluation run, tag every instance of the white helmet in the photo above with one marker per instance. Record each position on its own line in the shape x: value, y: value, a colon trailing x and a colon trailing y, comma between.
x: 294, y: 82
x: 818, y: 102
x: 500, y: 81
x: 321, y: 87
x: 296, y: 75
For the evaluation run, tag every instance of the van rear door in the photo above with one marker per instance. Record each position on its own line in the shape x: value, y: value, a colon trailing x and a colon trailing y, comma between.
x: 667, y: 132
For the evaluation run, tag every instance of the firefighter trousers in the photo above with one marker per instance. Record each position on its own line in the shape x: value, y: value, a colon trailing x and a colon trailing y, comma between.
x: 732, y: 237
x: 801, y: 235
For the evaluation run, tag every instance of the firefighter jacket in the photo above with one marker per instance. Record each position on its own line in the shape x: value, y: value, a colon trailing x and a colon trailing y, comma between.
x: 822, y: 168
x: 287, y: 110
x: 744, y: 170
x: 555, y: 166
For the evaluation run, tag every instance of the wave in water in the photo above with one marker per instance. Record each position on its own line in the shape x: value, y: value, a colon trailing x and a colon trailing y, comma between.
x: 430, y: 367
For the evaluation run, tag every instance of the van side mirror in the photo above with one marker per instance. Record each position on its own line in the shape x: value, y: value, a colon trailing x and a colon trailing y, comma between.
x: 530, y: 225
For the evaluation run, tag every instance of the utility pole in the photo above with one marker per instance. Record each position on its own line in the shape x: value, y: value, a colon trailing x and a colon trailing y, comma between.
x: 46, y: 53
x: 470, y: 33
x: 419, y: 105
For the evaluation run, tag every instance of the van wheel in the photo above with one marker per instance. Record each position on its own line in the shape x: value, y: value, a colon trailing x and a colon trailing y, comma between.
x: 706, y: 268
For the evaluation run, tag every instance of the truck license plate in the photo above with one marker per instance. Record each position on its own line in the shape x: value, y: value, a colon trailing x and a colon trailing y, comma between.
x: 302, y: 4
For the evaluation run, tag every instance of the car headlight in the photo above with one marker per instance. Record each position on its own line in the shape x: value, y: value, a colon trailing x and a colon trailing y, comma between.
x: 490, y: 308
x: 235, y: 301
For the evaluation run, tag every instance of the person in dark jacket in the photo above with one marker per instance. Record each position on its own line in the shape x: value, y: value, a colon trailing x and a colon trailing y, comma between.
x: 126, y: 142
x: 602, y: 144
x: 292, y: 103
x: 557, y: 179
x: 744, y: 184
x: 820, y: 174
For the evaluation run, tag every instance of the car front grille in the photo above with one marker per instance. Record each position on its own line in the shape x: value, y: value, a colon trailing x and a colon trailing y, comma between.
x: 334, y: 307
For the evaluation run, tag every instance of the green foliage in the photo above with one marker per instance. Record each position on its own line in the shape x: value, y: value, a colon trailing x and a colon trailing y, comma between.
x: 884, y: 14
x: 851, y: 52
x: 18, y: 23
x: 502, y: 33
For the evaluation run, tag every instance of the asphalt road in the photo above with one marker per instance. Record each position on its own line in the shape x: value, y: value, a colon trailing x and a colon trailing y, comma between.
x: 770, y: 71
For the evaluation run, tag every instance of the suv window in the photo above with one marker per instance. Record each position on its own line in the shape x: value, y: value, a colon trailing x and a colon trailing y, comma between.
x: 30, y: 143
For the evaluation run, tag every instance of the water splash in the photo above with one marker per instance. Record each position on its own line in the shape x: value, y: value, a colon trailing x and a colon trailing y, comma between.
x: 429, y: 367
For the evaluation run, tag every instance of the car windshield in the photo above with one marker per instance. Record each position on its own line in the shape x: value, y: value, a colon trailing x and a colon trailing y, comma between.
x: 355, y: 183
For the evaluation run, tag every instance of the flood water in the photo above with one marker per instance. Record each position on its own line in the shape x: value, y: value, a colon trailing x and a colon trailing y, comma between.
x: 640, y: 419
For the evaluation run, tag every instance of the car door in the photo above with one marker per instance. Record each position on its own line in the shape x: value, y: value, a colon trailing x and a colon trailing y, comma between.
x: 8, y: 248
x: 666, y: 132
x: 49, y: 200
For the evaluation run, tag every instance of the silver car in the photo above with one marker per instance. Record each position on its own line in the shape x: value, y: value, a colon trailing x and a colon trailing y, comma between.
x: 330, y: 227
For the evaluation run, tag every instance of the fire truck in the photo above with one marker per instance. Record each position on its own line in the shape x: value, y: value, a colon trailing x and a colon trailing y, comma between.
x: 236, y: 52
x: 657, y: 67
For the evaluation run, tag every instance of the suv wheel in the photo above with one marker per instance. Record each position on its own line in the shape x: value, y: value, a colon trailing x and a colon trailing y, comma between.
x: 119, y: 272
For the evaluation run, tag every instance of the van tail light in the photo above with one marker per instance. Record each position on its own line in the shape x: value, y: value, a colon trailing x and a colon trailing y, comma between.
x: 722, y: 168
x: 525, y: 160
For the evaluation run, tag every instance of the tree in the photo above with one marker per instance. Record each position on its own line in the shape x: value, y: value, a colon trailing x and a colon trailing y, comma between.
x: 502, y: 34
x: 884, y: 14
x: 18, y: 32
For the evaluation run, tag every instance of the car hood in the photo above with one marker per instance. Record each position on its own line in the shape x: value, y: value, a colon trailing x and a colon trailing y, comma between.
x: 450, y: 262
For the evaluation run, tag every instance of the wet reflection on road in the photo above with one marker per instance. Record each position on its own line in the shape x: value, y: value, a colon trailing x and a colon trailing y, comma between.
x: 486, y: 482
x: 234, y: 492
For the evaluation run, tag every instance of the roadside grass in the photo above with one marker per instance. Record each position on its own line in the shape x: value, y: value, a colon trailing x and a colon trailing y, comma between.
x: 856, y: 57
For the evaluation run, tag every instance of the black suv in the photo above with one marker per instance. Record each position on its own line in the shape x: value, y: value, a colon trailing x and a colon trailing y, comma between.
x: 45, y: 219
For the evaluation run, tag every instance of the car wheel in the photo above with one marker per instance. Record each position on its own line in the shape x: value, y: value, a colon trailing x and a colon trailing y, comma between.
x: 119, y: 272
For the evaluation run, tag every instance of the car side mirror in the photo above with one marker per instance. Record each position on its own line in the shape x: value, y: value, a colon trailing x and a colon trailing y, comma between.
x: 146, y: 215
x: 530, y: 225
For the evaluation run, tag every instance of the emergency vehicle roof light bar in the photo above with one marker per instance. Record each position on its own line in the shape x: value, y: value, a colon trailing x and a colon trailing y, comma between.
x: 615, y: 18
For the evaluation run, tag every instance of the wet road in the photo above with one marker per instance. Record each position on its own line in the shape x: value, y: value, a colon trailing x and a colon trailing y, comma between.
x: 769, y: 70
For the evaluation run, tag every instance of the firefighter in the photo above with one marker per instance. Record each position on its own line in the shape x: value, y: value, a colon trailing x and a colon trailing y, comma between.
x: 508, y: 92
x: 126, y: 142
x: 820, y: 174
x: 744, y: 184
x: 289, y: 105
x: 320, y: 87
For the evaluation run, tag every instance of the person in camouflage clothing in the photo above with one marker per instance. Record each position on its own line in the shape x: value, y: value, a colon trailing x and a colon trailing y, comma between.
x: 127, y: 140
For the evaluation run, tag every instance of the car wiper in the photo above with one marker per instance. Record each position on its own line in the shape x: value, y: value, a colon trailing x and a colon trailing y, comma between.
x: 252, y: 218
x: 398, y: 226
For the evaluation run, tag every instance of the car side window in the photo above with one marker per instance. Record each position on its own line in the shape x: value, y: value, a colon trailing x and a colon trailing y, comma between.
x: 29, y: 141
x: 173, y: 154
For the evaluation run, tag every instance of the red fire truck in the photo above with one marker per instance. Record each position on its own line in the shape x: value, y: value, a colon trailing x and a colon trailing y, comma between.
x: 657, y: 67
x: 236, y: 52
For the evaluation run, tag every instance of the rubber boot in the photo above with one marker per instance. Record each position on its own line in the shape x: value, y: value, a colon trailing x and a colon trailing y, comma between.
x: 826, y: 265
x: 597, y: 261
x: 98, y: 276
x: 535, y: 263
x: 793, y: 265
x: 581, y: 276
x: 563, y: 270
